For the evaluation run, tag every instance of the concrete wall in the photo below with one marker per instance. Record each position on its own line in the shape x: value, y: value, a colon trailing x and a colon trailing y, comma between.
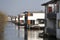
x: 58, y: 18
x: 58, y: 29
x: 49, y: 23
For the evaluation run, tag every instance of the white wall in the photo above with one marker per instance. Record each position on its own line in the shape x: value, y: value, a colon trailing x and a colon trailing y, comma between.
x: 37, y: 16
x: 9, y: 18
x: 34, y: 17
x: 22, y: 18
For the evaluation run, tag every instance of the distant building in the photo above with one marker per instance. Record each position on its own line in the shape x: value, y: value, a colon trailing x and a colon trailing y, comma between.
x: 34, y: 18
x: 9, y: 18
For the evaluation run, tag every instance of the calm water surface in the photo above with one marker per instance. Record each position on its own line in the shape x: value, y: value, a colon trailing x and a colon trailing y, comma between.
x: 11, y: 33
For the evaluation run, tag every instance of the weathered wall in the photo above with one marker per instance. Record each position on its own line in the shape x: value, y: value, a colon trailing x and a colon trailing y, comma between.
x: 58, y: 18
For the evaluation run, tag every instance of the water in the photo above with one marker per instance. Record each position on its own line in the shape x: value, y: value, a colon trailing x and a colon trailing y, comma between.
x: 34, y: 35
x: 11, y: 32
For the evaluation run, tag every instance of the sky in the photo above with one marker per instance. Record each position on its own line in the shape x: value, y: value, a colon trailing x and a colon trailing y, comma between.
x: 15, y: 7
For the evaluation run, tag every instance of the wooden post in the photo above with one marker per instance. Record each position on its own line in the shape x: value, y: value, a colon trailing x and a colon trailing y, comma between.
x: 15, y: 19
x: 18, y: 20
x: 26, y: 33
x: 18, y: 25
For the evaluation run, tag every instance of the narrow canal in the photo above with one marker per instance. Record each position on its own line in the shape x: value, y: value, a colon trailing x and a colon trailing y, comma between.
x: 11, y: 33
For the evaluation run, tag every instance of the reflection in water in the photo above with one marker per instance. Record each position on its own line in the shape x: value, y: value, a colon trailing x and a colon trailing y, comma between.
x: 34, y: 35
x: 18, y: 31
x: 11, y: 33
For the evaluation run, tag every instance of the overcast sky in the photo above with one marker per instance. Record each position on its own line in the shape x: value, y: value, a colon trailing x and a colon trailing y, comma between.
x: 14, y: 7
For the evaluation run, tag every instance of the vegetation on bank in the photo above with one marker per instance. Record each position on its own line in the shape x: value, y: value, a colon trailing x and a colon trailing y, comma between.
x: 3, y: 19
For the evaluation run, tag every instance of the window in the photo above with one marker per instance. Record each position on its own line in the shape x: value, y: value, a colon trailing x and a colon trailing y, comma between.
x: 41, y: 21
x: 22, y: 21
x: 53, y: 8
x: 49, y: 9
x: 31, y: 14
x: 32, y: 22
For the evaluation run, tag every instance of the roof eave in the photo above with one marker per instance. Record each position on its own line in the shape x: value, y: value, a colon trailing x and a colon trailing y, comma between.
x: 50, y: 2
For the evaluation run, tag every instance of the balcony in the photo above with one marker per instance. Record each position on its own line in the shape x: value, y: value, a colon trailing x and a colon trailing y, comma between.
x: 51, y: 15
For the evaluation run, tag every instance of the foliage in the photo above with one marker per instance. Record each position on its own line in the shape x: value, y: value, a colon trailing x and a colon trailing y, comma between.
x: 3, y: 19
